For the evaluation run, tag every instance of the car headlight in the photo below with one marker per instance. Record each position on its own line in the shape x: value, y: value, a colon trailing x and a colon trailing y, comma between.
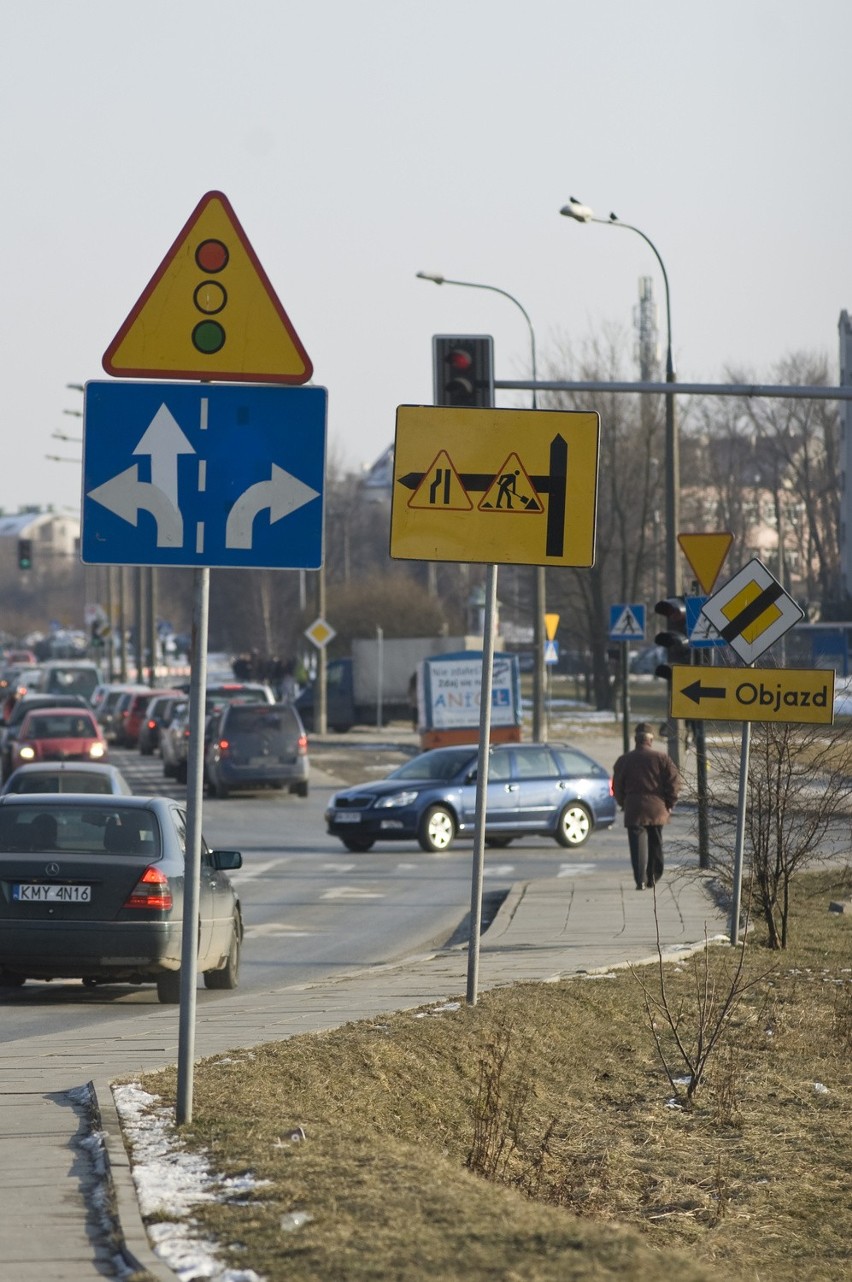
x: 397, y: 799
x: 96, y: 750
x: 26, y: 753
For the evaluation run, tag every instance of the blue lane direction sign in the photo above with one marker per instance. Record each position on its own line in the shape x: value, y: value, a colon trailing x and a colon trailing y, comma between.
x: 203, y: 475
x: 626, y: 622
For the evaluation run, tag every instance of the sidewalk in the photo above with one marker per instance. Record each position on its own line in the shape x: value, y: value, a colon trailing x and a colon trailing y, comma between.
x: 55, y: 1222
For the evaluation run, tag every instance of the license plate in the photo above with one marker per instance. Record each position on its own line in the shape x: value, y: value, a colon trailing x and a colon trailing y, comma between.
x: 346, y: 817
x: 31, y: 892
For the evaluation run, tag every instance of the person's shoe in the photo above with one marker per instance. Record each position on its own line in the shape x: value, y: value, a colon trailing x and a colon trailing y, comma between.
x: 639, y: 886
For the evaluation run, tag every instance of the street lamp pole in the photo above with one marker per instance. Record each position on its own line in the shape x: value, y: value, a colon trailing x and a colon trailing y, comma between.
x: 539, y: 726
x: 583, y: 214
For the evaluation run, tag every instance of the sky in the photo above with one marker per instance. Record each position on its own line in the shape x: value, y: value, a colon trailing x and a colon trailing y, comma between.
x: 360, y: 143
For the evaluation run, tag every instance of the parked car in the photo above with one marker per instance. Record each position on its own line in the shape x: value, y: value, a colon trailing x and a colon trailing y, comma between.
x: 58, y: 734
x: 68, y: 776
x: 250, y: 746
x: 534, y: 789
x: 129, y: 712
x: 157, y: 714
x: 12, y: 725
x: 94, y: 890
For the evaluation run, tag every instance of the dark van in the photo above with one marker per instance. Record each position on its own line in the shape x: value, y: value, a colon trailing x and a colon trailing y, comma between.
x: 256, y: 745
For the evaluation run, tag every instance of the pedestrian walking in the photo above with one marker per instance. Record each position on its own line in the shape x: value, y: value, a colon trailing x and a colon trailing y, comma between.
x: 646, y: 784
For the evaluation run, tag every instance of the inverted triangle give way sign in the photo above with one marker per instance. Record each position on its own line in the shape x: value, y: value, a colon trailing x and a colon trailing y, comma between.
x: 209, y: 312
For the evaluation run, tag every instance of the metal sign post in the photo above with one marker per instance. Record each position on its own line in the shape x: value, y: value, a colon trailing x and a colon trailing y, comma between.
x: 478, y: 870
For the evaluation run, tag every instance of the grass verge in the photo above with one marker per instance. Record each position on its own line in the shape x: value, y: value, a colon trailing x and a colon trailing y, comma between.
x: 535, y: 1136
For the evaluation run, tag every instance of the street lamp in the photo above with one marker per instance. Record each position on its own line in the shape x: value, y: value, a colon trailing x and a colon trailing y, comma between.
x: 583, y: 214
x: 539, y: 717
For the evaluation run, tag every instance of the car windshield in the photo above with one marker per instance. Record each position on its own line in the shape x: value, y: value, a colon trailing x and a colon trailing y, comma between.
x: 442, y: 764
x: 247, y: 717
x: 58, y: 726
x: 105, y: 830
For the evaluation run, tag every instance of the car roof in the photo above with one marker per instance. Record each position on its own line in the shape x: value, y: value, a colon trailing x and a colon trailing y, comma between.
x: 100, y: 800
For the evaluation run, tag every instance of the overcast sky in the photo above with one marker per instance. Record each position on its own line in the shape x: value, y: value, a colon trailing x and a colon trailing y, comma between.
x: 360, y: 141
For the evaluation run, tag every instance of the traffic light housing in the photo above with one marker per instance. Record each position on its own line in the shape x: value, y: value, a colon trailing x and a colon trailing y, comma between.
x: 25, y: 554
x: 463, y: 369
x: 674, y: 639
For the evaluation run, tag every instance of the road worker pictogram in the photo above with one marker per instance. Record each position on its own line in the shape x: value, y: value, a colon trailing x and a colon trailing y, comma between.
x: 512, y: 490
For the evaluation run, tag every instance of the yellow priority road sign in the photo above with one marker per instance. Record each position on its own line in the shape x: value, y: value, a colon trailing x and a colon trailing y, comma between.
x: 515, y: 487
x: 792, y: 695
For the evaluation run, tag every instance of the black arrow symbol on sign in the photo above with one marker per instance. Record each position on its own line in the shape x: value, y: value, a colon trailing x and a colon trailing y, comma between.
x: 696, y: 692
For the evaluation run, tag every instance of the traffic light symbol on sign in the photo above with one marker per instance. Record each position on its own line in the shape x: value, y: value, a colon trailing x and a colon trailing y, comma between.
x: 25, y: 554
x: 463, y: 367
x: 209, y: 312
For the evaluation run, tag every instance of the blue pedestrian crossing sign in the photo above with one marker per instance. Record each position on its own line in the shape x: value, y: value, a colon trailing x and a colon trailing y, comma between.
x: 699, y: 629
x: 203, y: 475
x: 551, y: 651
x: 626, y: 622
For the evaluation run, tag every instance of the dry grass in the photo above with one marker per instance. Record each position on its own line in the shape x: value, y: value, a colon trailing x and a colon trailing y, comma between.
x: 531, y: 1138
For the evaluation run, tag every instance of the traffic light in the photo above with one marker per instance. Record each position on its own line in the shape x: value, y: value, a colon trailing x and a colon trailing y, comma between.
x: 25, y: 554
x: 674, y: 640
x: 463, y: 367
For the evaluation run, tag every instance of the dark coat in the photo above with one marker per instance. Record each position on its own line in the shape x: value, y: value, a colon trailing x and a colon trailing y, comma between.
x: 646, y: 784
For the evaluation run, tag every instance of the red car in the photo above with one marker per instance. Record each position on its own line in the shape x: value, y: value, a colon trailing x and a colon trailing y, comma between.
x: 59, y: 734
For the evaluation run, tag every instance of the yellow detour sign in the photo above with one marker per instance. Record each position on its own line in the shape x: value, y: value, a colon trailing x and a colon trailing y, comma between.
x: 792, y: 695
x: 514, y: 487
x: 705, y: 554
x: 209, y: 312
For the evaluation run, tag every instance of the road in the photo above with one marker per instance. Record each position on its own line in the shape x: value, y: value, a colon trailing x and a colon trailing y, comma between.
x: 311, y: 908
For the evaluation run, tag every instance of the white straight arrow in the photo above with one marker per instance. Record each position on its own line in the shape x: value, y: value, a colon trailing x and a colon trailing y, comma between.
x: 281, y: 494
x: 163, y: 440
x: 125, y: 494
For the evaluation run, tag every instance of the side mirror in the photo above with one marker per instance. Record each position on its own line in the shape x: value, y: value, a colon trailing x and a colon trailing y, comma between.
x: 226, y: 860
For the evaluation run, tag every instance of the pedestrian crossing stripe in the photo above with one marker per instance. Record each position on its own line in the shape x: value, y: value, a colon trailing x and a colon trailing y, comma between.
x: 511, y: 490
x: 441, y: 487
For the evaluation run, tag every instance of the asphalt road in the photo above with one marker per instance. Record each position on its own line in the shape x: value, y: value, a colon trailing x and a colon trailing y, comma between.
x: 311, y: 908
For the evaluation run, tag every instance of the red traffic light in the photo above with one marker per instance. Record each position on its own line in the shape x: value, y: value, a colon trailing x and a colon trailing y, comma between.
x: 459, y: 359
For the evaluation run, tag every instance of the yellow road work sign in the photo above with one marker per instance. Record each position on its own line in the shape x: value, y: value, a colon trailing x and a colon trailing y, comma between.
x: 515, y: 487
x: 793, y: 695
x: 209, y: 312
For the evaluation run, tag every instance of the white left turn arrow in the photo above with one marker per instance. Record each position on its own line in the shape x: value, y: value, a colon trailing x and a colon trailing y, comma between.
x: 125, y: 494
x: 282, y: 494
x: 164, y: 441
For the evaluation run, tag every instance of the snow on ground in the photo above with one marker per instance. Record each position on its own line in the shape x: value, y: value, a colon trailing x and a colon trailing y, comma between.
x: 170, y: 1183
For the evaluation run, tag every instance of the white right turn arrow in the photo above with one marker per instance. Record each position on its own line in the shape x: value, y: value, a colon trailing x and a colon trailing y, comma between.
x: 281, y: 494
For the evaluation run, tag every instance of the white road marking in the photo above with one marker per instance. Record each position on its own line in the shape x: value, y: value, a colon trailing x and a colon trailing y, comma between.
x: 268, y: 928
x: 351, y: 892
x: 573, y: 870
x: 498, y: 870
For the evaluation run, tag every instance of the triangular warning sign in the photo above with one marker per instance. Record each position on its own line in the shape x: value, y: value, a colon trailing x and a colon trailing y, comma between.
x: 706, y: 554
x: 511, y: 490
x: 441, y: 488
x: 209, y: 312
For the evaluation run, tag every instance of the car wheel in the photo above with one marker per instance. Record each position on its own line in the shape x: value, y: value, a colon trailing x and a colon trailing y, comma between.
x: 229, y: 975
x: 437, y: 829
x: 574, y: 825
x: 498, y: 843
x: 221, y: 790
x: 10, y: 979
x: 168, y: 987
x: 358, y: 847
x: 180, y: 773
x: 300, y: 789
x: 168, y: 770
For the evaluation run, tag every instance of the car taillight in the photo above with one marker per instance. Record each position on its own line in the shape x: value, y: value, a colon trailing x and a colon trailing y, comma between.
x: 302, y: 745
x: 152, y: 725
x: 611, y: 789
x: 224, y: 745
x: 152, y: 890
